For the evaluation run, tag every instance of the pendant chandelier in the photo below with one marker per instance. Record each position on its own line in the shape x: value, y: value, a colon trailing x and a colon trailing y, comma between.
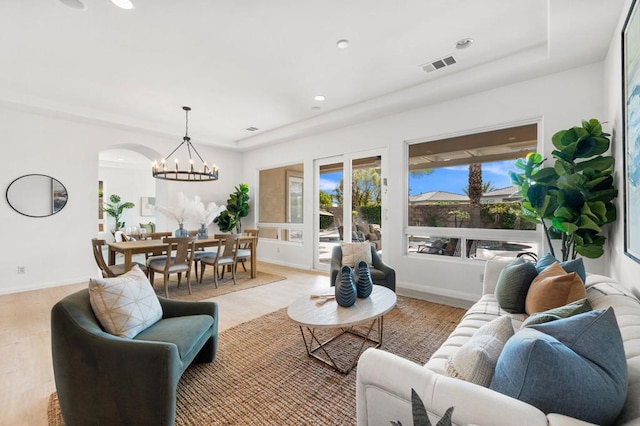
x: 191, y: 174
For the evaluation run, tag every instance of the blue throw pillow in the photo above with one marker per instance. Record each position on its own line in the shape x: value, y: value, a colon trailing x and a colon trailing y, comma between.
x: 575, y: 265
x: 574, y: 366
x: 513, y: 285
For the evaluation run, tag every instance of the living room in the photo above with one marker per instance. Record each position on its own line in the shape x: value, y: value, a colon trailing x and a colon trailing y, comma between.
x: 543, y: 84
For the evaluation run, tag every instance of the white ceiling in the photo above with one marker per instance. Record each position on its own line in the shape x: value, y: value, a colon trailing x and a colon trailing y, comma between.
x: 259, y: 63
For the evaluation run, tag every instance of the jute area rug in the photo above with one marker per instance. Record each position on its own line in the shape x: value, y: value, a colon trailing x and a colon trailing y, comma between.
x: 263, y: 376
x: 207, y: 289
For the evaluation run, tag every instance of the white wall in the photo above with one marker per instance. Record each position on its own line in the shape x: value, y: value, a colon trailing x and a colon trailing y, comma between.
x: 621, y: 267
x: 56, y: 250
x: 558, y: 101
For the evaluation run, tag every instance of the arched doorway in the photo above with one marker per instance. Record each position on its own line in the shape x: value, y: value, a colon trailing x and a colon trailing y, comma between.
x: 124, y: 170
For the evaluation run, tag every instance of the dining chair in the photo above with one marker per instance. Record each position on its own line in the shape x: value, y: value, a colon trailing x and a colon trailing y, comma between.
x: 181, y: 260
x: 156, y: 236
x: 225, y: 256
x: 109, y: 271
x: 244, y: 249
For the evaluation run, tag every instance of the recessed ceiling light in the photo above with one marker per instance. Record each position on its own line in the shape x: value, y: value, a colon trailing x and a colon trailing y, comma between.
x: 463, y: 43
x: 123, y: 4
x: 74, y: 4
x: 342, y: 44
x: 319, y: 98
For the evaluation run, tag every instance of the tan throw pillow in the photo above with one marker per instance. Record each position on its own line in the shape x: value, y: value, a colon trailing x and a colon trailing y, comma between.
x: 552, y: 288
x: 475, y: 361
x: 125, y: 305
x: 353, y: 253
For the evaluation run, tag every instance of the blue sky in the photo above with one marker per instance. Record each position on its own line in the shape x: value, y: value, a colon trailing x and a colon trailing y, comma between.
x: 450, y: 179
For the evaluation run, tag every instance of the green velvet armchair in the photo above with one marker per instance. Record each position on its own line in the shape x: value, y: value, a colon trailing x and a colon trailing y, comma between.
x: 381, y: 274
x: 102, y: 379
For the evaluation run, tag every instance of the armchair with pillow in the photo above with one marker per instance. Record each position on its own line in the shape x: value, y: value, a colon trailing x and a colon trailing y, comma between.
x: 381, y: 274
x: 116, y: 362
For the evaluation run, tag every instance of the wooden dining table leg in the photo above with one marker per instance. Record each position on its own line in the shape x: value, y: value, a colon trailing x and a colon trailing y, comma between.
x: 112, y: 256
x: 127, y: 259
x: 254, y: 272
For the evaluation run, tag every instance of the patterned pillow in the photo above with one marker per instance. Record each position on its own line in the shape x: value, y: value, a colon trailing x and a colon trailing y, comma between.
x: 553, y: 288
x: 475, y: 361
x: 352, y: 253
x: 125, y: 305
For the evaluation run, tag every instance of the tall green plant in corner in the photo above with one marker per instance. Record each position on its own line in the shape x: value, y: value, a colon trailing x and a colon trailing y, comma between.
x: 574, y: 197
x: 115, y: 209
x: 237, y: 208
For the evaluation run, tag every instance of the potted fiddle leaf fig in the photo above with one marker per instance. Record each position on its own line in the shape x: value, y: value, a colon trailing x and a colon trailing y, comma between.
x: 115, y: 209
x: 237, y: 208
x: 573, y: 198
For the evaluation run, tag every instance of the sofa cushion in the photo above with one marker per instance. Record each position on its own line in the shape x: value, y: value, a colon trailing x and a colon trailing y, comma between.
x: 188, y: 333
x: 566, y: 311
x: 552, y: 288
x: 513, y: 285
x: 125, y: 305
x: 353, y: 253
x: 574, y: 366
x: 476, y: 360
x: 574, y: 265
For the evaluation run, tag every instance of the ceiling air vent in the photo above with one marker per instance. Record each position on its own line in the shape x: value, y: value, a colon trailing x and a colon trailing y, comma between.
x: 438, y: 63
x: 251, y: 129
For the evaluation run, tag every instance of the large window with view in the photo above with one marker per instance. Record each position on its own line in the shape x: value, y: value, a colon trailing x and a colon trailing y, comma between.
x: 461, y: 201
x: 280, y: 199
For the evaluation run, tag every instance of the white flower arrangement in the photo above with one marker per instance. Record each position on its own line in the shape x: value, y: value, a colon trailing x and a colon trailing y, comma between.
x: 205, y: 216
x: 194, y: 210
x: 179, y: 212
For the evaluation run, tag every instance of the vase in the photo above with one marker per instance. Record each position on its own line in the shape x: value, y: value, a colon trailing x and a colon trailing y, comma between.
x: 364, y: 283
x: 181, y: 232
x: 345, y: 288
x: 203, y: 234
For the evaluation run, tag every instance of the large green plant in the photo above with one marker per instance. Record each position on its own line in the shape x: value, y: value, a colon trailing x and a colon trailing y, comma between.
x: 574, y: 197
x: 115, y: 209
x: 237, y: 208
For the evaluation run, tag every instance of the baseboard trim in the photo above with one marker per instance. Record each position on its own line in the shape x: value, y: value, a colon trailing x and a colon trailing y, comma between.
x: 436, y: 295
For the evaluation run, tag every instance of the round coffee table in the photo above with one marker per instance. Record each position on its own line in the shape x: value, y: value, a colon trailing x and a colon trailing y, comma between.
x: 312, y: 313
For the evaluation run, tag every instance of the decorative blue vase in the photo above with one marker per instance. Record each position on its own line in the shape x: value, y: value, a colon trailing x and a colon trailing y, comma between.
x: 203, y: 234
x: 345, y: 288
x: 181, y: 232
x: 364, y: 283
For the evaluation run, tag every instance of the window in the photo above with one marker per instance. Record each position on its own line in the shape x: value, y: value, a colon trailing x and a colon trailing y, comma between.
x: 280, y: 198
x: 463, y: 183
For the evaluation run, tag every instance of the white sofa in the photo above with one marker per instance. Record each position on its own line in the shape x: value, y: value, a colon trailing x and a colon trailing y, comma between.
x: 384, y: 380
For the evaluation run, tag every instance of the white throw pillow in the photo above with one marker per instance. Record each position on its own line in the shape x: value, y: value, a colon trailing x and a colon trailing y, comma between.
x: 475, y: 361
x: 353, y: 253
x: 125, y: 305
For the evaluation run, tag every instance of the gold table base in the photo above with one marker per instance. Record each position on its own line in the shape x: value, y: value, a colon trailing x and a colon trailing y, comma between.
x: 313, y: 345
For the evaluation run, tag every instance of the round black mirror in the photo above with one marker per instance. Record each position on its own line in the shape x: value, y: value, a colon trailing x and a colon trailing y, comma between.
x: 37, y: 195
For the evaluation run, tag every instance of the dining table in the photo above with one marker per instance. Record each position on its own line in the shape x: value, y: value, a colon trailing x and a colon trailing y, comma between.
x: 129, y: 248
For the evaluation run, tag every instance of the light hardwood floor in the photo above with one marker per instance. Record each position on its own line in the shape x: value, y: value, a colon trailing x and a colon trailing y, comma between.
x: 25, y: 339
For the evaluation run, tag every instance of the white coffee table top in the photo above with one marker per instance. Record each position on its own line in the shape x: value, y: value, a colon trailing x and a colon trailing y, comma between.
x: 305, y: 311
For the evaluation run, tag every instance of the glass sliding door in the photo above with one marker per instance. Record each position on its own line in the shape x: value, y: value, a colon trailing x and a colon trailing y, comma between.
x: 350, y: 199
x: 330, y: 210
